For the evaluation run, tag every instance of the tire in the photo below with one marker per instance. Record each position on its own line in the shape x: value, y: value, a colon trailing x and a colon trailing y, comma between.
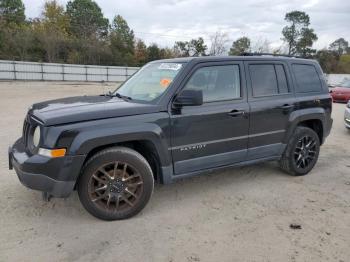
x: 292, y: 158
x: 116, y: 183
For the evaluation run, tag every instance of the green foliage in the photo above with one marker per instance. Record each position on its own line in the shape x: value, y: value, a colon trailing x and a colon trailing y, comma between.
x: 52, y: 31
x: 79, y: 33
x: 153, y: 53
x: 335, y: 59
x: 122, y: 41
x: 241, y: 45
x: 140, y: 53
x: 344, y: 64
x: 195, y: 47
x: 328, y: 60
x: 298, y: 36
x: 340, y: 46
x: 86, y: 19
x: 12, y: 11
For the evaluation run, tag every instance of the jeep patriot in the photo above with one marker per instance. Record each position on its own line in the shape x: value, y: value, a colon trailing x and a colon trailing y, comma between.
x: 173, y: 119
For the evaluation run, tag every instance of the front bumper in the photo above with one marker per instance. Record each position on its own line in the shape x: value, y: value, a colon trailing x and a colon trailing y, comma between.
x: 55, y: 176
x: 347, y: 117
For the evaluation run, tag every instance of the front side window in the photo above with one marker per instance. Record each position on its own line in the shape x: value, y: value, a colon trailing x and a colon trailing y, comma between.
x: 218, y: 83
x: 151, y: 81
x: 307, y: 78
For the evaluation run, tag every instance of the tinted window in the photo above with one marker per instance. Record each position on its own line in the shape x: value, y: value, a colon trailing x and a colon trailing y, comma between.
x: 216, y: 82
x: 264, y: 81
x: 307, y: 78
x: 282, y: 79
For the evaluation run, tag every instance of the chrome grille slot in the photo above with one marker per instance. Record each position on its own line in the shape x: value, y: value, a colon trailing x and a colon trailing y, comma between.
x: 26, y: 128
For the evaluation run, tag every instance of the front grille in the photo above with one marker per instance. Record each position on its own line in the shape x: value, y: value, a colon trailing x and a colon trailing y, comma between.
x: 26, y: 128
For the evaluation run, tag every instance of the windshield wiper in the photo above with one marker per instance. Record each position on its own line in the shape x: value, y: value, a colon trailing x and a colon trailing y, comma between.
x: 128, y: 98
x: 110, y: 94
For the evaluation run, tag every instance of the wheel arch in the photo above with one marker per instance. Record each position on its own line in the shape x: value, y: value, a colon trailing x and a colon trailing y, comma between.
x: 313, y: 118
x: 144, y: 147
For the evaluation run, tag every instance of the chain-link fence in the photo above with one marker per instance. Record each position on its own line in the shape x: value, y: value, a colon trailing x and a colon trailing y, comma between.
x: 17, y: 70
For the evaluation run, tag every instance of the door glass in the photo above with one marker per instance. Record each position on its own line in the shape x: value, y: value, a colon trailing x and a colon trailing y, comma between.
x: 282, y: 79
x: 218, y: 83
x: 264, y: 82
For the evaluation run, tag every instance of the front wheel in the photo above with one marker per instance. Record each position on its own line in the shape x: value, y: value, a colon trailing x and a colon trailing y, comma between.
x: 116, y: 183
x: 301, y: 153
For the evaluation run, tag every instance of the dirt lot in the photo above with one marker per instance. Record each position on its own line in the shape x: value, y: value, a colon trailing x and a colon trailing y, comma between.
x: 243, y: 214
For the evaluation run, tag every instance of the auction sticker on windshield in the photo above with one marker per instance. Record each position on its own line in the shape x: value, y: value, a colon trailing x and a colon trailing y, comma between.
x: 170, y: 66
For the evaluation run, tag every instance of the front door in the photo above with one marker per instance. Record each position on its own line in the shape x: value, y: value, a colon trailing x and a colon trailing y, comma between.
x: 215, y: 133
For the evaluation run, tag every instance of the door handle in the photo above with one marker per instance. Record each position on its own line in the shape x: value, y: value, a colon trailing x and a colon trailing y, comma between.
x: 235, y: 113
x: 286, y: 106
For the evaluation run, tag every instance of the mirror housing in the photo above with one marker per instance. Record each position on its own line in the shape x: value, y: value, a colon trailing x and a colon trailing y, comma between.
x: 189, y: 97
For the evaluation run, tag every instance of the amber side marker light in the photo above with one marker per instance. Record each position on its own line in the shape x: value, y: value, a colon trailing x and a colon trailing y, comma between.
x: 52, y: 153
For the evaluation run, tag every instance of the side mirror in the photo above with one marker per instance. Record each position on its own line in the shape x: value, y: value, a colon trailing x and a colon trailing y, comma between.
x: 189, y: 97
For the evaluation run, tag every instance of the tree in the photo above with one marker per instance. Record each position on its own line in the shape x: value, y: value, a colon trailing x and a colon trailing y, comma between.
x: 182, y: 49
x: 195, y: 47
x: 328, y: 60
x: 298, y: 36
x: 306, y: 41
x: 340, y: 46
x: 153, y: 52
x: 12, y: 11
x: 140, y: 53
x: 86, y: 19
x: 52, y: 30
x: 241, y: 45
x: 219, y: 40
x: 122, y: 41
x: 166, y: 53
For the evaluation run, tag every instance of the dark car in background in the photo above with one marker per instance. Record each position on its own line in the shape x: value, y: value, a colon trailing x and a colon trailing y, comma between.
x: 341, y: 92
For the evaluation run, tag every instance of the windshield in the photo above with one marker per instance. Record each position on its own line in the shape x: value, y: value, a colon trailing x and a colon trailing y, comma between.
x: 345, y: 83
x: 150, y: 82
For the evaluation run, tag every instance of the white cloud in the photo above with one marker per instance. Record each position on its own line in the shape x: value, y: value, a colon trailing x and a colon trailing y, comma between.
x: 164, y: 22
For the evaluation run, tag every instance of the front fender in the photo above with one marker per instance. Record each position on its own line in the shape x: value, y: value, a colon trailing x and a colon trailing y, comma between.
x: 81, y: 138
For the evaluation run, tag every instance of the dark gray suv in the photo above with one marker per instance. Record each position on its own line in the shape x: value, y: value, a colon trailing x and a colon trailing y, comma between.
x: 173, y: 119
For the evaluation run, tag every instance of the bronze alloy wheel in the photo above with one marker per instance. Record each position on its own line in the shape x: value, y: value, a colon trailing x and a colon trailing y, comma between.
x: 305, y: 152
x: 115, y: 187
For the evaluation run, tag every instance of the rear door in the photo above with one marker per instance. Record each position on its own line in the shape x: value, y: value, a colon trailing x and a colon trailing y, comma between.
x: 215, y: 133
x: 271, y: 101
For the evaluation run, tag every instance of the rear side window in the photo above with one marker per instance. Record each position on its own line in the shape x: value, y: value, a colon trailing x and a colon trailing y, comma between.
x: 264, y: 81
x: 282, y: 79
x: 307, y: 78
x: 268, y: 79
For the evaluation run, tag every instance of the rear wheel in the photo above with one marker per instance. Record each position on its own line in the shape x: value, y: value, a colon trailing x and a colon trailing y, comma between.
x: 302, y: 152
x: 116, y: 183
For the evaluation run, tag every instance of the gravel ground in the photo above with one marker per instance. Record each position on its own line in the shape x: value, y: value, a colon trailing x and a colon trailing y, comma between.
x: 243, y: 214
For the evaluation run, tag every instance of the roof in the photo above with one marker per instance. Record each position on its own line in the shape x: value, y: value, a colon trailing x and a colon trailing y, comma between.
x: 223, y: 58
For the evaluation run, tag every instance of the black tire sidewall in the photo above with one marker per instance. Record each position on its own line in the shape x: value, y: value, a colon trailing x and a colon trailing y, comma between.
x: 121, y: 154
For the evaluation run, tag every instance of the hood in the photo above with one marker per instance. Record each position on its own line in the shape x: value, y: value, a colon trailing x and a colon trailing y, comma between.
x: 340, y: 89
x: 83, y: 108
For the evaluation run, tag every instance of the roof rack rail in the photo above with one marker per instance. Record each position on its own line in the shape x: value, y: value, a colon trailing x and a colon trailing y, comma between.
x: 268, y: 54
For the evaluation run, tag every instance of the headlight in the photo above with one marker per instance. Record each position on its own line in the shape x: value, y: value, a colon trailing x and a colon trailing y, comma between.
x: 36, y: 136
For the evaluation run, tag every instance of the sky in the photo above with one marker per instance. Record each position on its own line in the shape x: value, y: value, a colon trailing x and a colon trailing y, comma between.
x: 167, y: 21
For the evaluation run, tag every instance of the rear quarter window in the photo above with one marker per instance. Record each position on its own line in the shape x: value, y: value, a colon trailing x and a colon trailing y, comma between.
x: 307, y: 78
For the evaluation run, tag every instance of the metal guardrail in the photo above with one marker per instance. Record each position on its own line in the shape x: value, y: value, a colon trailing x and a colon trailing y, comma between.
x: 18, y: 70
